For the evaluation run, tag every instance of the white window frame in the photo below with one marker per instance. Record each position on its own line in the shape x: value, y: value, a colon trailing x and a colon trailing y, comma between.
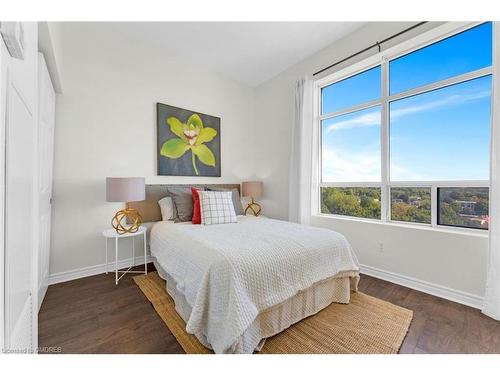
x: 383, y: 58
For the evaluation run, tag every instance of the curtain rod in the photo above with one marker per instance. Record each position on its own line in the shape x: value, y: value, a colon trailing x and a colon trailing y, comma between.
x: 376, y: 44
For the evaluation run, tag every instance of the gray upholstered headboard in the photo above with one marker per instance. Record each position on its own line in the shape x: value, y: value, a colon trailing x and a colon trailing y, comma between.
x: 149, y: 208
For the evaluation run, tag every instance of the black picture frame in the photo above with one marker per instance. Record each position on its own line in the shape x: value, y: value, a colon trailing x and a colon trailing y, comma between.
x: 187, y: 164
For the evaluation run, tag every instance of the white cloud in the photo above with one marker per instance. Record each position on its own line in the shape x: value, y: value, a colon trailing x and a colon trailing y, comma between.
x: 400, y: 173
x: 367, y: 119
x: 448, y: 101
x: 363, y: 167
x: 338, y: 167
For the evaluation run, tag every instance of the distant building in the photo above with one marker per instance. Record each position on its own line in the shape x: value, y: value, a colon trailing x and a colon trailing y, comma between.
x: 466, y: 206
x: 415, y: 201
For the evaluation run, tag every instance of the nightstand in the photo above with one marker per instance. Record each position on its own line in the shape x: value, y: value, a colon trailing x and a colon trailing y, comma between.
x: 111, y: 233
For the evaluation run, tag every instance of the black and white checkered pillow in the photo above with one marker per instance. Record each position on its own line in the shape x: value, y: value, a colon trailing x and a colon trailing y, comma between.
x: 217, y: 207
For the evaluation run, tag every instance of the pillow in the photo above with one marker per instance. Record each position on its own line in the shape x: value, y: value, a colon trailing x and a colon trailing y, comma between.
x: 196, y: 207
x: 167, y: 209
x: 238, y: 208
x: 217, y: 207
x: 183, y: 201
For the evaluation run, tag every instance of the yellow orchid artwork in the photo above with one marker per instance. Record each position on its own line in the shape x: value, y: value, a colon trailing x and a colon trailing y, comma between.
x: 184, y: 137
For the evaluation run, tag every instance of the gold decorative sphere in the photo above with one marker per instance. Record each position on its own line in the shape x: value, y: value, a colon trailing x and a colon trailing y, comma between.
x: 254, y: 207
x: 119, y: 221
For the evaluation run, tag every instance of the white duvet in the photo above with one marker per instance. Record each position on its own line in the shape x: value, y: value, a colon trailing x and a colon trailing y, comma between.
x: 229, y: 273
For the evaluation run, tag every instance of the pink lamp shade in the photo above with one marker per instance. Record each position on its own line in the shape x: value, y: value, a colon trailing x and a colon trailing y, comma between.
x: 252, y: 189
x: 125, y: 189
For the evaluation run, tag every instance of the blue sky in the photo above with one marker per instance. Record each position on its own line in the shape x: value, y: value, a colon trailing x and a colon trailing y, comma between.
x: 439, y: 135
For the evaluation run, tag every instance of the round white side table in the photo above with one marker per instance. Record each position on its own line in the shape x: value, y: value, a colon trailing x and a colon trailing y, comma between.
x: 111, y: 233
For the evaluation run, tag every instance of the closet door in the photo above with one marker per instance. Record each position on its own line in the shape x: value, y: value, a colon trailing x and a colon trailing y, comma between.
x: 46, y: 121
x: 19, y: 212
x: 19, y: 127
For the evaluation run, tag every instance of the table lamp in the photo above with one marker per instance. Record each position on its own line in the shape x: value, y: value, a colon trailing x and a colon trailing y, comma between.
x: 126, y: 189
x: 252, y: 189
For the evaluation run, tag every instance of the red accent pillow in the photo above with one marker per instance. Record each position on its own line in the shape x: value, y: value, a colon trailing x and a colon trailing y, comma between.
x: 196, y: 207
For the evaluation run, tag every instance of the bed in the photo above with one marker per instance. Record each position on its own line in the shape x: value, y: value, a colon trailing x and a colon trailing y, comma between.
x: 237, y: 284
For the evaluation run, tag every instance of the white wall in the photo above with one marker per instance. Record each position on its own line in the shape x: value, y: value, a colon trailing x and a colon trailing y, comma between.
x: 447, y: 259
x: 440, y: 258
x: 106, y: 126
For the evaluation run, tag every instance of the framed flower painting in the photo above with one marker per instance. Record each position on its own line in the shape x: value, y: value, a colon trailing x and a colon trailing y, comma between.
x: 188, y: 142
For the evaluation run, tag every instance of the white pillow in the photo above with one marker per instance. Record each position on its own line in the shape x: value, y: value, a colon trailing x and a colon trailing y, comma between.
x: 167, y: 208
x: 217, y: 207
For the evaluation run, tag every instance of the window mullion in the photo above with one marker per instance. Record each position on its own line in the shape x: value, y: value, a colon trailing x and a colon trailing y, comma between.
x: 384, y: 143
x: 434, y: 205
x: 469, y: 76
x: 346, y: 111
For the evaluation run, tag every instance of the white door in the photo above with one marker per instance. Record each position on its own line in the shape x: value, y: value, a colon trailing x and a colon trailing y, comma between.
x: 19, y: 106
x: 18, y: 213
x: 46, y: 121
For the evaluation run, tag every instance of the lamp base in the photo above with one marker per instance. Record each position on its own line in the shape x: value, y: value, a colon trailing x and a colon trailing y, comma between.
x: 120, y: 219
x: 254, y: 207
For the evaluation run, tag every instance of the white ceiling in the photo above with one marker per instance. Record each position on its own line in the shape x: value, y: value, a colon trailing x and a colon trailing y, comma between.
x: 249, y: 52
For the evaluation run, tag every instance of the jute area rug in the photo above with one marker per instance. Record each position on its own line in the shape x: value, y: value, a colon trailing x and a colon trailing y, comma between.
x: 367, y: 325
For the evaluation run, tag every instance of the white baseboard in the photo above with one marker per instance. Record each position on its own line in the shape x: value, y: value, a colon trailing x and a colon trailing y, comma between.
x: 454, y: 295
x: 42, y: 289
x: 61, y: 277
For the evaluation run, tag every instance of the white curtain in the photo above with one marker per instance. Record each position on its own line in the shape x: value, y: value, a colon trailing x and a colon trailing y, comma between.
x: 300, y: 155
x: 492, y: 295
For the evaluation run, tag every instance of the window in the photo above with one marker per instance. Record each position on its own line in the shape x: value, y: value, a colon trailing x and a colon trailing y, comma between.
x: 461, y: 53
x: 351, y: 146
x: 442, y: 134
x: 358, y: 202
x: 406, y: 137
x: 463, y: 207
x: 411, y: 204
x: 346, y: 93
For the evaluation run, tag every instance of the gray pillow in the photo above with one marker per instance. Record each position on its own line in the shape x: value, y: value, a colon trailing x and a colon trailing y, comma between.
x: 238, y: 208
x: 183, y: 201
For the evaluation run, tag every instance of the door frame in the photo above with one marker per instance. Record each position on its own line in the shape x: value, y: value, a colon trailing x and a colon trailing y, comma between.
x: 3, y: 105
x: 43, y: 72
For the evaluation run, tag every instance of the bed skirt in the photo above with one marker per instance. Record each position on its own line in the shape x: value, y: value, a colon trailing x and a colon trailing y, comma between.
x: 277, y: 318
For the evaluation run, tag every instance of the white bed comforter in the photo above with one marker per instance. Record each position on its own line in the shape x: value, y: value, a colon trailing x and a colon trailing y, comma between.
x: 229, y: 273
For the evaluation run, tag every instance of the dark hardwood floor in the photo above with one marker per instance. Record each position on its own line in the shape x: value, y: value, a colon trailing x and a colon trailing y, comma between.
x: 439, y: 325
x: 92, y: 315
